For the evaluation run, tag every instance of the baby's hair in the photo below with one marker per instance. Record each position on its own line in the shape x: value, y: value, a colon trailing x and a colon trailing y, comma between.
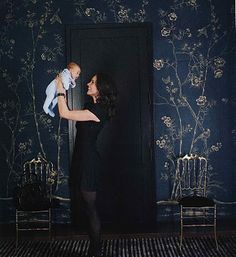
x: 71, y: 65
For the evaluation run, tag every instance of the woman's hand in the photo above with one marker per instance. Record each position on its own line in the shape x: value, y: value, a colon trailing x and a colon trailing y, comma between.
x: 60, y: 88
x: 77, y: 115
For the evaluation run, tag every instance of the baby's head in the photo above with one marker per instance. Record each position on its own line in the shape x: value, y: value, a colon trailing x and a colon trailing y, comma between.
x: 74, y: 70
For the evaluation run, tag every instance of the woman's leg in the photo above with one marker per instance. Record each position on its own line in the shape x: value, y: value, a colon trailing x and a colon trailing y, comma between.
x: 94, y: 221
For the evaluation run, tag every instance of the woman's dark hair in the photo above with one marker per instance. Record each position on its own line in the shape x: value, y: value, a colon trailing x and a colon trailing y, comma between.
x: 107, y: 93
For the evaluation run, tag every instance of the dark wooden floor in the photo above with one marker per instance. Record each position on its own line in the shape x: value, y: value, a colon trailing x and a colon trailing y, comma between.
x: 161, y: 240
x: 145, y: 246
x: 67, y: 231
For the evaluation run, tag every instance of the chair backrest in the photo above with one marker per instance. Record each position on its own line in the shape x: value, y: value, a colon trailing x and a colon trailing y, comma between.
x: 39, y: 170
x: 192, y: 175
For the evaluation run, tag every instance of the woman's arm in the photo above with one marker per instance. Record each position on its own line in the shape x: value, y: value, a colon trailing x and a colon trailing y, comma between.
x: 77, y: 115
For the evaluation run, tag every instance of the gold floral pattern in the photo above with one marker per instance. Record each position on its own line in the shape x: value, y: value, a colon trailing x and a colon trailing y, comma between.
x: 192, y: 60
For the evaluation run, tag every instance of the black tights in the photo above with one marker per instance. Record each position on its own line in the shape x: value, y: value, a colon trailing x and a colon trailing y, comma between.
x: 94, y: 221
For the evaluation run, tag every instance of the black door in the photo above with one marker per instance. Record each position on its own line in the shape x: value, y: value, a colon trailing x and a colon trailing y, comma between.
x: 126, y: 143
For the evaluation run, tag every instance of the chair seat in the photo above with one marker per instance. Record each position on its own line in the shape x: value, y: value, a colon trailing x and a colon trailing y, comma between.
x: 41, y: 205
x: 196, y: 201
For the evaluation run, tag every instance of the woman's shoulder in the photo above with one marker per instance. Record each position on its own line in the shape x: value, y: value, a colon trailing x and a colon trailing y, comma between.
x: 97, y: 109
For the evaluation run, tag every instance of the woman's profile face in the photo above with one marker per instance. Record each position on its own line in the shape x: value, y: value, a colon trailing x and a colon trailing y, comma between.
x: 92, y: 87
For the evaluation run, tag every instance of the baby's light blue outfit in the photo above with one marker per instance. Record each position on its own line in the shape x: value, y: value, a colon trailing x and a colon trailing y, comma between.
x: 51, y: 91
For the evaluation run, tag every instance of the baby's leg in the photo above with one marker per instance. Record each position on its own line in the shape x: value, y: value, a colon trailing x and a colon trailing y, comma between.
x: 47, y: 103
x: 51, y: 107
x: 51, y: 113
x: 54, y: 102
x: 50, y: 92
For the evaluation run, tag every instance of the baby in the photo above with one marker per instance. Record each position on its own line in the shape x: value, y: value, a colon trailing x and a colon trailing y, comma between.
x: 68, y: 76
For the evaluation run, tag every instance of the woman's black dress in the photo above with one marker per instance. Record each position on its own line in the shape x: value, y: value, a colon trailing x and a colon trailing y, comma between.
x: 86, y: 162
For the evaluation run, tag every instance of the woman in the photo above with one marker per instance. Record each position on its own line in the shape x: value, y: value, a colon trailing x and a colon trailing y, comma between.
x: 86, y: 161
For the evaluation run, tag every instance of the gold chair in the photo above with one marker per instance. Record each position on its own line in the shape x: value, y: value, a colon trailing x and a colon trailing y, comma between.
x: 34, y: 196
x: 196, y: 209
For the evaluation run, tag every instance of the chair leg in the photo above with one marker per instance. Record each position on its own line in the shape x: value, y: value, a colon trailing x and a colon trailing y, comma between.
x: 17, y: 229
x: 217, y: 246
x: 50, y: 224
x: 51, y: 238
x: 181, y: 226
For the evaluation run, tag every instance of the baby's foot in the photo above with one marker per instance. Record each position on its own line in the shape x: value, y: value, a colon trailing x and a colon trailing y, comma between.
x: 45, y: 109
x: 51, y: 113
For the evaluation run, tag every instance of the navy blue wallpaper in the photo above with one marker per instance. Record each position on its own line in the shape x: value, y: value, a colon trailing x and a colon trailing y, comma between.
x: 194, y: 86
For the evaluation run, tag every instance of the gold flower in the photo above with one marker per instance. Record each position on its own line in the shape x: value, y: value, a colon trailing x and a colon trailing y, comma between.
x: 219, y: 62
x: 172, y: 16
x: 201, y: 101
x: 218, y: 73
x: 158, y: 64
x: 165, y: 32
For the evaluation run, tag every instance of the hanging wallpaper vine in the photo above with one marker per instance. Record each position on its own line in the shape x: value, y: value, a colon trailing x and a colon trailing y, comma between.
x: 17, y: 116
x: 194, y: 61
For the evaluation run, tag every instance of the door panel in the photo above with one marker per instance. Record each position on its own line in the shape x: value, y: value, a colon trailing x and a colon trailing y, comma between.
x: 126, y: 143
